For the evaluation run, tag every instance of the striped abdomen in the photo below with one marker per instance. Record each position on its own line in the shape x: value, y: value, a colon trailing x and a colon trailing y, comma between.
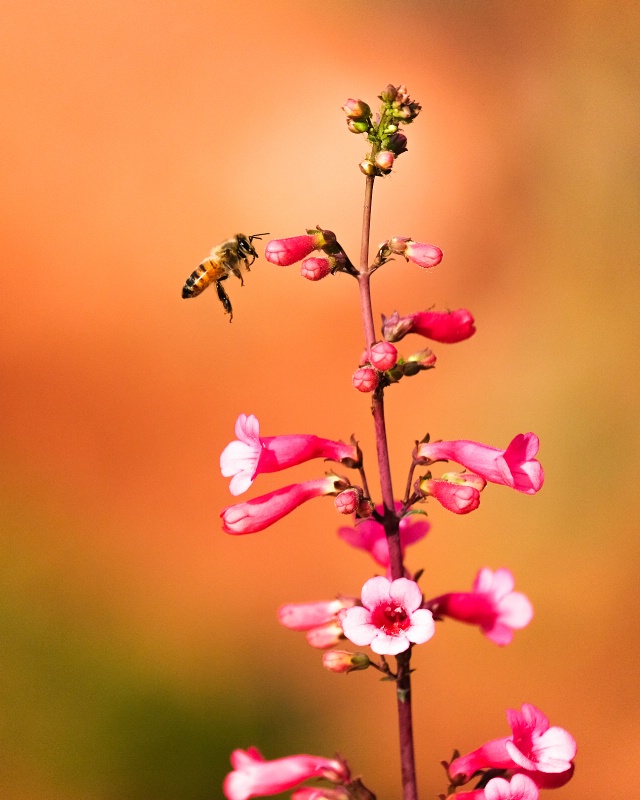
x: 203, y: 275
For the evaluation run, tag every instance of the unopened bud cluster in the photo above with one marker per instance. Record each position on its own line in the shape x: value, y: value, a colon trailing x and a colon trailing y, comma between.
x: 383, y: 129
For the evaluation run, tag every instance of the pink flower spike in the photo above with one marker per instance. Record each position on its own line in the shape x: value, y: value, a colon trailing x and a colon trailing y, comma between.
x: 261, y: 512
x: 315, y: 269
x: 250, y: 454
x: 424, y: 255
x: 446, y: 327
x: 369, y: 535
x: 515, y: 467
x: 304, y: 616
x: 284, y: 252
x: 492, y: 604
x: 365, y: 379
x: 535, y: 746
x: 253, y: 776
x: 383, y: 356
x: 390, y: 617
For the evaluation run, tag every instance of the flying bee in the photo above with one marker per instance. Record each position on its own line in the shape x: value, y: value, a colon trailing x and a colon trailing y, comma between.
x: 227, y: 257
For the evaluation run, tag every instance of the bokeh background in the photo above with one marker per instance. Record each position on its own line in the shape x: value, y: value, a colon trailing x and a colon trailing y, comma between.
x: 138, y: 642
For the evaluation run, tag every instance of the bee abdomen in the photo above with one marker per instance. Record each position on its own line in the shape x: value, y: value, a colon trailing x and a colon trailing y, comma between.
x: 198, y: 281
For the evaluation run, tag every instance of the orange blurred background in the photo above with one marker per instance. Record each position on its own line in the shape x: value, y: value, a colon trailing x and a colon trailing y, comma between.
x: 139, y: 643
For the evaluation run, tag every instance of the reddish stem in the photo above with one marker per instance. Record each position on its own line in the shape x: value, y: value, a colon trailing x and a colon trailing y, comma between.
x: 390, y: 520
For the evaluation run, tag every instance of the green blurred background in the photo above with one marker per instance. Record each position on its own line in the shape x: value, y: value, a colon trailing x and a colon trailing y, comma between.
x: 139, y: 643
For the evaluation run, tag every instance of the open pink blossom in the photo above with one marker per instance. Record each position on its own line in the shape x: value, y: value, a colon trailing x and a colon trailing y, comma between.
x: 533, y: 746
x: 251, y: 454
x: 492, y: 604
x: 261, y: 512
x: 253, y: 776
x: 520, y: 787
x: 390, y: 617
x: 304, y: 616
x: 369, y: 535
x: 287, y: 251
x: 515, y: 467
x: 446, y: 327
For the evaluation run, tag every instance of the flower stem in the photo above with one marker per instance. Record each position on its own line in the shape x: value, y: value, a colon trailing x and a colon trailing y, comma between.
x: 390, y: 520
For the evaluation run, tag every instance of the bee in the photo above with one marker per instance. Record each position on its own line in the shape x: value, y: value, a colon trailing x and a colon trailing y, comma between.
x: 228, y: 257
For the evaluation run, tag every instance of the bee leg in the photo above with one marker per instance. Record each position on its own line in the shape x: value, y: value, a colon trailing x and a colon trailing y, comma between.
x: 224, y: 298
x: 233, y: 268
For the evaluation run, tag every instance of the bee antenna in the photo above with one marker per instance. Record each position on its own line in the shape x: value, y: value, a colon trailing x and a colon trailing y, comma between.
x: 257, y: 236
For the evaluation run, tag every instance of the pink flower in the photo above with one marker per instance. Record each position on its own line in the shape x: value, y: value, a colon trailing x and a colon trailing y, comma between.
x: 259, y: 513
x: 369, y: 535
x: 365, y: 379
x: 515, y: 467
x: 324, y: 636
x: 383, y: 355
x: 287, y: 251
x: 492, y: 604
x: 390, y: 617
x: 253, y: 776
x: 314, y: 269
x: 520, y: 787
x: 447, y: 327
x: 533, y: 746
x: 250, y: 454
x: 304, y: 616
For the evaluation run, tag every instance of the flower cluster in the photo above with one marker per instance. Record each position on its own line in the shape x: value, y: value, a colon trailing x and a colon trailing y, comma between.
x: 390, y: 615
x: 382, y: 130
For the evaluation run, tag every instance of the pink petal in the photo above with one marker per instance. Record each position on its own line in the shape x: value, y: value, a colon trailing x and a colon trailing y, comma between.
x: 386, y: 645
x: 407, y: 593
x: 375, y: 592
x: 422, y: 626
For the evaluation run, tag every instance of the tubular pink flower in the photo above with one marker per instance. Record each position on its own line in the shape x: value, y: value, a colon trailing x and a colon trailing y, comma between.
x: 515, y: 467
x: 383, y: 356
x: 250, y: 454
x: 492, y: 604
x: 284, y: 252
x: 369, y: 535
x: 390, y: 617
x: 532, y: 747
x: 315, y: 269
x: 253, y: 776
x: 520, y: 787
x: 446, y: 327
x: 325, y: 636
x: 304, y: 616
x: 365, y: 379
x: 257, y: 514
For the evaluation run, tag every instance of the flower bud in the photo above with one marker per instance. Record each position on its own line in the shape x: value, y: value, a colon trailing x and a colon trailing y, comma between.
x: 343, y: 661
x: 383, y: 356
x: 365, y: 508
x: 367, y: 168
x: 384, y: 159
x: 314, y: 269
x: 424, y: 358
x: 348, y: 501
x: 357, y: 127
x: 424, y: 255
x: 365, y: 379
x: 356, y: 109
x: 388, y: 95
x: 397, y: 143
